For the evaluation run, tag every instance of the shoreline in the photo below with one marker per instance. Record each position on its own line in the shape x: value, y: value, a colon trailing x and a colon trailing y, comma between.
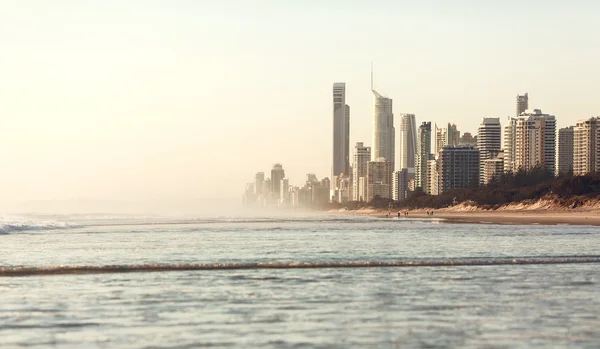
x: 511, y: 217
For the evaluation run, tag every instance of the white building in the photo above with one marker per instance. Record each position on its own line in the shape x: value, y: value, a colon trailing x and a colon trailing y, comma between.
x: 586, y: 156
x: 383, y: 129
x: 341, y: 130
x: 285, y: 192
x: 535, y: 141
x: 432, y: 178
x: 510, y: 144
x: 408, y: 141
x: 362, y: 156
x: 489, y: 143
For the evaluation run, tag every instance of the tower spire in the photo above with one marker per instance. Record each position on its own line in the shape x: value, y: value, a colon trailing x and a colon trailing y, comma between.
x: 371, y: 75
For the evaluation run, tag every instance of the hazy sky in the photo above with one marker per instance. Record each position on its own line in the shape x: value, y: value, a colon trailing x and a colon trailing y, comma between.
x: 147, y: 100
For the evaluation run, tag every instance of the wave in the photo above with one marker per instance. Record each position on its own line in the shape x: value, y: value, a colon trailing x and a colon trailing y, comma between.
x: 7, y: 227
x: 136, y: 268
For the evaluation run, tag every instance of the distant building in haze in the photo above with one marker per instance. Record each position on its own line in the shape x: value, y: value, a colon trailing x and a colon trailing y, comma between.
x: 379, y: 179
x: 522, y: 104
x: 341, y: 130
x: 277, y: 175
x: 586, y: 156
x: 446, y: 137
x: 458, y: 168
x: 468, y: 140
x: 565, y: 150
x: 488, y: 141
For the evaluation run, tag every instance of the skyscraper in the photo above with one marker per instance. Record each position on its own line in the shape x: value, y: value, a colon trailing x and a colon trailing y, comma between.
x: 522, y: 103
x: 488, y: 141
x: 510, y: 144
x: 458, y: 167
x: 259, y: 179
x: 535, y: 141
x: 586, y: 155
x: 341, y: 130
x: 383, y: 129
x: 564, y: 151
x: 362, y: 156
x: 444, y: 137
x: 423, y: 155
x: 277, y: 175
x: 379, y: 179
x: 408, y: 141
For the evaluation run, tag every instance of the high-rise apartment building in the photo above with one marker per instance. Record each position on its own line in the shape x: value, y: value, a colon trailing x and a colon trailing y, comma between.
x: 458, y: 168
x: 379, y: 179
x: 535, y: 145
x: 423, y: 155
x: 362, y: 156
x: 341, y: 130
x: 510, y: 144
x: 284, y: 192
x: 400, y: 183
x: 493, y: 168
x: 277, y: 175
x: 586, y: 155
x: 408, y: 141
x: 383, y: 129
x: 433, y: 179
x: 564, y: 151
x: 489, y: 144
x: 522, y: 104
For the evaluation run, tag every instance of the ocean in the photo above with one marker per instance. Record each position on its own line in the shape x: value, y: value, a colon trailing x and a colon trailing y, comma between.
x: 314, y: 281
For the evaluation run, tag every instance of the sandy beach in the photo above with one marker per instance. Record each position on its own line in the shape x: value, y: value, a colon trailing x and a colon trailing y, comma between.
x: 544, y: 217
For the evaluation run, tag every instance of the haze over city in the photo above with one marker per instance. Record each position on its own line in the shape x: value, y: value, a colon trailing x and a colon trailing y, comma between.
x: 184, y: 101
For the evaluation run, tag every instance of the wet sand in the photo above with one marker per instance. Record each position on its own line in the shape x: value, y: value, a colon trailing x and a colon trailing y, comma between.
x: 545, y: 217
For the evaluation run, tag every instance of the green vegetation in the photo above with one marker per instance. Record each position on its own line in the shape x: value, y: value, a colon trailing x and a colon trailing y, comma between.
x: 523, y: 186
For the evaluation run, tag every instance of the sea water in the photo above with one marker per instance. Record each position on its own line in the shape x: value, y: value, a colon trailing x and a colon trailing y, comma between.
x: 339, y: 298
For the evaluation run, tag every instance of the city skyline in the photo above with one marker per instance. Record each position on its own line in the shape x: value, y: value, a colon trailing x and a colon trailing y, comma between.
x: 117, y: 111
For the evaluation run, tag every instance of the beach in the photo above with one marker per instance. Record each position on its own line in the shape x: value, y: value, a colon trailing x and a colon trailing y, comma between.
x: 544, y: 217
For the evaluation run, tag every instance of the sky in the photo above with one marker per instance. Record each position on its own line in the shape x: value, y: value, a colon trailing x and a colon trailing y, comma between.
x: 147, y: 100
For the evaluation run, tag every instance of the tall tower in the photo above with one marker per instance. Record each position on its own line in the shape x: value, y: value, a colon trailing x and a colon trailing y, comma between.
x: 488, y: 141
x: 408, y: 141
x: 362, y: 156
x: 277, y: 175
x: 423, y: 155
x: 383, y: 129
x: 586, y: 140
x: 522, y: 103
x: 564, y: 151
x: 341, y: 130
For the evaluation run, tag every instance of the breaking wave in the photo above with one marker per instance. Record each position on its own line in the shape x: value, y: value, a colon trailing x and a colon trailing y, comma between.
x: 12, y: 226
x: 62, y: 270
